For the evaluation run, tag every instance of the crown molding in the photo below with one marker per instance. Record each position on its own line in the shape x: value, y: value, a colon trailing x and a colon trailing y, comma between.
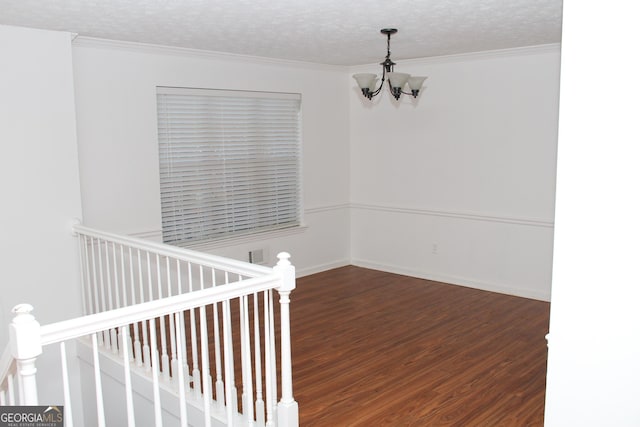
x: 83, y: 41
x: 92, y: 42
x: 553, y: 48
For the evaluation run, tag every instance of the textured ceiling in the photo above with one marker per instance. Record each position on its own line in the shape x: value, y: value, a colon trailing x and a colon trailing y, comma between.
x: 339, y: 32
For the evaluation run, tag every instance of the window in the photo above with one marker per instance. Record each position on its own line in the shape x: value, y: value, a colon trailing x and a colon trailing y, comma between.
x: 229, y: 163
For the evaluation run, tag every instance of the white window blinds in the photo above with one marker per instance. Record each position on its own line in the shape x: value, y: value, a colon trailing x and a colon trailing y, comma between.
x: 229, y: 163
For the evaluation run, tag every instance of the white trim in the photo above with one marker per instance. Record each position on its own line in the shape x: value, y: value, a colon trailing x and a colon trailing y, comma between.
x: 454, y: 280
x: 472, y: 216
x: 472, y: 56
x: 92, y: 42
x: 172, y: 90
x: 249, y: 238
x: 322, y: 267
x: 231, y: 241
x: 319, y: 209
x: 157, y: 233
x: 83, y: 41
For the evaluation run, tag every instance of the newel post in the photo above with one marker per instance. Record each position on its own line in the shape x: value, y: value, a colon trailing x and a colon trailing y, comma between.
x: 26, y: 346
x: 287, y: 407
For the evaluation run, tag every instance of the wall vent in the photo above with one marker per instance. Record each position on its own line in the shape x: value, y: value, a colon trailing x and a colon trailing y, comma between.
x: 256, y: 256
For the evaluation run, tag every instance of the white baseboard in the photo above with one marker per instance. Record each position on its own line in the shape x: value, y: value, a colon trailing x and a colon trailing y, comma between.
x: 322, y: 267
x: 492, y: 287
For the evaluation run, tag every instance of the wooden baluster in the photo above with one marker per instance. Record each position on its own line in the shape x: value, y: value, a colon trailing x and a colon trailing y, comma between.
x: 123, y: 277
x: 125, y: 303
x: 113, y: 333
x: 96, y: 293
x: 146, y: 351
x: 151, y: 349
x: 206, y: 376
x: 274, y: 353
x: 195, y: 369
x: 103, y: 305
x: 220, y: 397
x: 98, y: 382
x: 182, y: 347
x: 84, y: 273
x: 220, y: 388
x: 268, y: 365
x: 11, y: 391
x: 124, y: 333
x: 137, y: 346
x: 245, y: 346
x: 173, y: 331
x: 260, y: 419
x: 182, y: 392
x: 164, y: 358
x: 230, y: 387
x: 166, y: 363
x: 68, y: 405
x: 116, y: 284
x: 155, y: 374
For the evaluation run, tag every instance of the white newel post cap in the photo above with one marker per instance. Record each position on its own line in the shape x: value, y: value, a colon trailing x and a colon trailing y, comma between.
x: 287, y: 270
x: 283, y: 258
x: 24, y: 333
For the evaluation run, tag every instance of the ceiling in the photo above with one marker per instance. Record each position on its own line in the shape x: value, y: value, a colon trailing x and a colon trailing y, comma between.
x: 338, y: 32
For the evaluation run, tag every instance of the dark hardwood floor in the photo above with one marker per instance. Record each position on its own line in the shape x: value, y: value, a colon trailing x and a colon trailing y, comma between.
x: 378, y: 349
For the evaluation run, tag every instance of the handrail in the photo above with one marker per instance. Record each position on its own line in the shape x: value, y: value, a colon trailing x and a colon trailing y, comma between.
x: 234, y: 266
x: 85, y: 325
x: 131, y: 287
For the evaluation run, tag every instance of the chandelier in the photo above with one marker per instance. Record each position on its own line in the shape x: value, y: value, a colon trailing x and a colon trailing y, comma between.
x: 368, y: 82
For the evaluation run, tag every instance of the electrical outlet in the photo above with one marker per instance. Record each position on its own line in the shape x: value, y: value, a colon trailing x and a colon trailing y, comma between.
x: 434, y: 249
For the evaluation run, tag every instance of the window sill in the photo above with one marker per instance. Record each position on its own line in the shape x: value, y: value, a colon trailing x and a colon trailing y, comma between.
x: 247, y: 238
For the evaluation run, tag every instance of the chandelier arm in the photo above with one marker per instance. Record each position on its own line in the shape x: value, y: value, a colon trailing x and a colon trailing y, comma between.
x: 377, y: 91
x: 382, y: 80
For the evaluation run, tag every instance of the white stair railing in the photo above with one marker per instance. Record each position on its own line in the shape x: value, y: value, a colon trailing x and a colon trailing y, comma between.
x: 180, y: 320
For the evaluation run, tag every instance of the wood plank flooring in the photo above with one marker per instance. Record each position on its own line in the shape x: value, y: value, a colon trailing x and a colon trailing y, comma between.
x: 378, y: 349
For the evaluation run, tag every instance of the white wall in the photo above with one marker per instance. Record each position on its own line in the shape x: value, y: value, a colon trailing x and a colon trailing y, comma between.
x: 40, y: 188
x: 458, y: 185
x: 117, y: 137
x: 38, y: 176
x: 594, y: 342
x: 466, y: 172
